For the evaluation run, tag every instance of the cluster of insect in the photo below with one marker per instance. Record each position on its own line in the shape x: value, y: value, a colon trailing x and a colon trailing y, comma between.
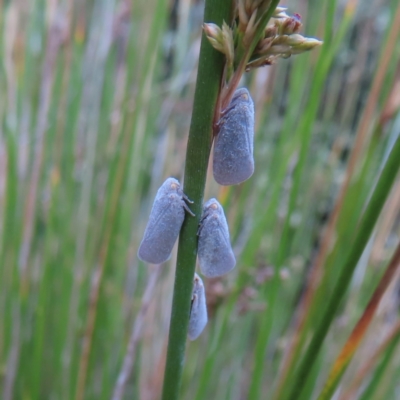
x: 233, y: 163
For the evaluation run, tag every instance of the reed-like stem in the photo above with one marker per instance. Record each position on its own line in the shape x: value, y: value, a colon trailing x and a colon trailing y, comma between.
x: 365, y: 228
x: 211, y: 64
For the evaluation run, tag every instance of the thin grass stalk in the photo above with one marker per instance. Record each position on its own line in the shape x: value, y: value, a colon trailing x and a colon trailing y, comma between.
x: 360, y: 329
x: 53, y: 45
x: 377, y: 382
x: 368, y: 365
x: 361, y: 137
x: 62, y: 116
x: 11, y: 277
x: 117, y: 183
x: 93, y: 89
x: 137, y: 327
x: 209, y: 77
x: 365, y: 229
x: 9, y: 21
x: 54, y: 41
x: 13, y: 359
x: 218, y: 331
x: 81, y: 209
x: 304, y: 134
x: 9, y: 231
x: 303, y: 127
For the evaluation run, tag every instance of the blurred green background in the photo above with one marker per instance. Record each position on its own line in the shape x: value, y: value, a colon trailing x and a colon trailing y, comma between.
x: 95, y: 108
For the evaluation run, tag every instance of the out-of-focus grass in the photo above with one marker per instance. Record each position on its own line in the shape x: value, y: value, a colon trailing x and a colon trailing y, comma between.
x: 95, y: 109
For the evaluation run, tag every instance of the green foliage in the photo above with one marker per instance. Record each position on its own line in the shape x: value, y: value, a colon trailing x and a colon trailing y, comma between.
x: 96, y: 106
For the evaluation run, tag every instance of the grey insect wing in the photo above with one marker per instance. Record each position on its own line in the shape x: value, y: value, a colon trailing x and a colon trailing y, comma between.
x: 233, y: 160
x: 165, y: 222
x: 198, y: 312
x: 215, y: 253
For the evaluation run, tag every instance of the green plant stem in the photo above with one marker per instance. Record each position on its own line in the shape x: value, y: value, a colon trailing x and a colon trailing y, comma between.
x: 209, y: 76
x: 365, y: 228
x: 381, y: 369
x: 344, y: 358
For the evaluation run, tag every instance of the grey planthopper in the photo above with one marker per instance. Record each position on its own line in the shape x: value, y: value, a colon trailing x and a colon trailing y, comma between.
x: 233, y: 160
x: 165, y: 222
x: 215, y: 253
x: 198, y: 310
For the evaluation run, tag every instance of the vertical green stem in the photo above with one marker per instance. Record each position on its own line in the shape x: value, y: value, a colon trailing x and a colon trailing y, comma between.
x: 209, y: 77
